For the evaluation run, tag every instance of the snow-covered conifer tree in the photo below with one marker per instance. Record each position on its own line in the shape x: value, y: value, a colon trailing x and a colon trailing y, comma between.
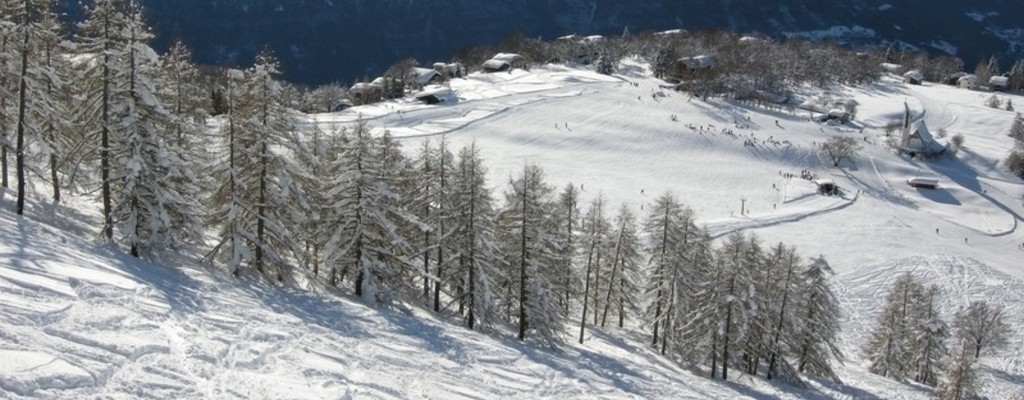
x: 154, y: 194
x: 728, y: 301
x: 661, y: 229
x: 260, y: 202
x: 817, y: 333
x: 529, y: 241
x: 782, y: 311
x: 929, y: 336
x: 475, y: 237
x: 623, y: 268
x: 419, y: 202
x: 983, y: 326
x: 596, y: 230
x: 30, y: 30
x: 890, y: 344
x: 317, y: 155
x: 569, y: 214
x: 102, y: 84
x: 181, y: 92
x: 441, y: 199
x: 960, y: 380
x: 364, y: 215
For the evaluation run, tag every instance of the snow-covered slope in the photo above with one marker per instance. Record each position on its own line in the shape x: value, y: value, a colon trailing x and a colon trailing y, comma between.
x: 82, y: 320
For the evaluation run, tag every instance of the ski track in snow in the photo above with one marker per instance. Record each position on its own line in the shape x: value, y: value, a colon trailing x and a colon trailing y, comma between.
x: 80, y: 320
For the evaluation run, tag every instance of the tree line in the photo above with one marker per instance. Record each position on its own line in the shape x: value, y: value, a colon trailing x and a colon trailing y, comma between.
x: 99, y: 113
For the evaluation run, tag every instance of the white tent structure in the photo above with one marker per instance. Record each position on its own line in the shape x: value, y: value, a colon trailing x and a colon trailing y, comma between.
x: 916, y: 138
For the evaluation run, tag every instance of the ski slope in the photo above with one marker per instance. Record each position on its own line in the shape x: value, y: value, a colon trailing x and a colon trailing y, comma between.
x: 81, y: 320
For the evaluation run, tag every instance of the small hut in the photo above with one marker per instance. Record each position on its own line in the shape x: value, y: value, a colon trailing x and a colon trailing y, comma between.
x: 439, y: 96
x: 503, y: 62
x: 827, y: 187
x: 969, y: 81
x: 913, y: 77
x: 999, y: 83
x: 923, y: 183
x: 366, y: 93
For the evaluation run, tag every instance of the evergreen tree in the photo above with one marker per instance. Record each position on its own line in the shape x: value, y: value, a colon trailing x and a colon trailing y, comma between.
x: 1017, y: 128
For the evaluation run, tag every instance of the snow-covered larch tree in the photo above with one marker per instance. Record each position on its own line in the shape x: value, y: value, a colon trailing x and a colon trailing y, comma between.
x: 817, y: 336
x: 475, y: 237
x: 154, y: 206
x: 929, y: 336
x: 528, y: 238
x: 364, y: 214
x: 782, y: 313
x: 661, y: 229
x: 960, y: 378
x: 31, y: 32
x: 983, y: 326
x: 568, y: 211
x: 102, y: 83
x: 595, y: 232
x: 890, y: 345
x: 260, y: 202
x: 623, y: 270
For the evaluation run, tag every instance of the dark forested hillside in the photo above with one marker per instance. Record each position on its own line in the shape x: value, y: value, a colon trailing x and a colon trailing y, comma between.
x: 327, y: 40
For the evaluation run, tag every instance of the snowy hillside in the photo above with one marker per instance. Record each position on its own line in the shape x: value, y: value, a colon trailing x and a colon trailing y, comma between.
x: 81, y: 320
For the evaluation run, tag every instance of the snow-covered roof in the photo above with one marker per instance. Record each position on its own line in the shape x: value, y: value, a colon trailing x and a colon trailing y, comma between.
x: 922, y: 181
x: 494, y: 64
x: 364, y: 86
x: 507, y: 57
x: 968, y: 77
x: 593, y: 38
x: 890, y: 67
x: 915, y: 75
x: 671, y: 32
x: 440, y: 95
x: 698, y: 62
x: 425, y: 75
x: 1000, y: 81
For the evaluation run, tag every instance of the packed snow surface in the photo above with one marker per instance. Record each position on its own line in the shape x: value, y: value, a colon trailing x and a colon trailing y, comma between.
x: 82, y: 320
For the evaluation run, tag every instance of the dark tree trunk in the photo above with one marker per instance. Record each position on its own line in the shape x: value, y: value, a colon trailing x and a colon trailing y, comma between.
x: 19, y: 150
